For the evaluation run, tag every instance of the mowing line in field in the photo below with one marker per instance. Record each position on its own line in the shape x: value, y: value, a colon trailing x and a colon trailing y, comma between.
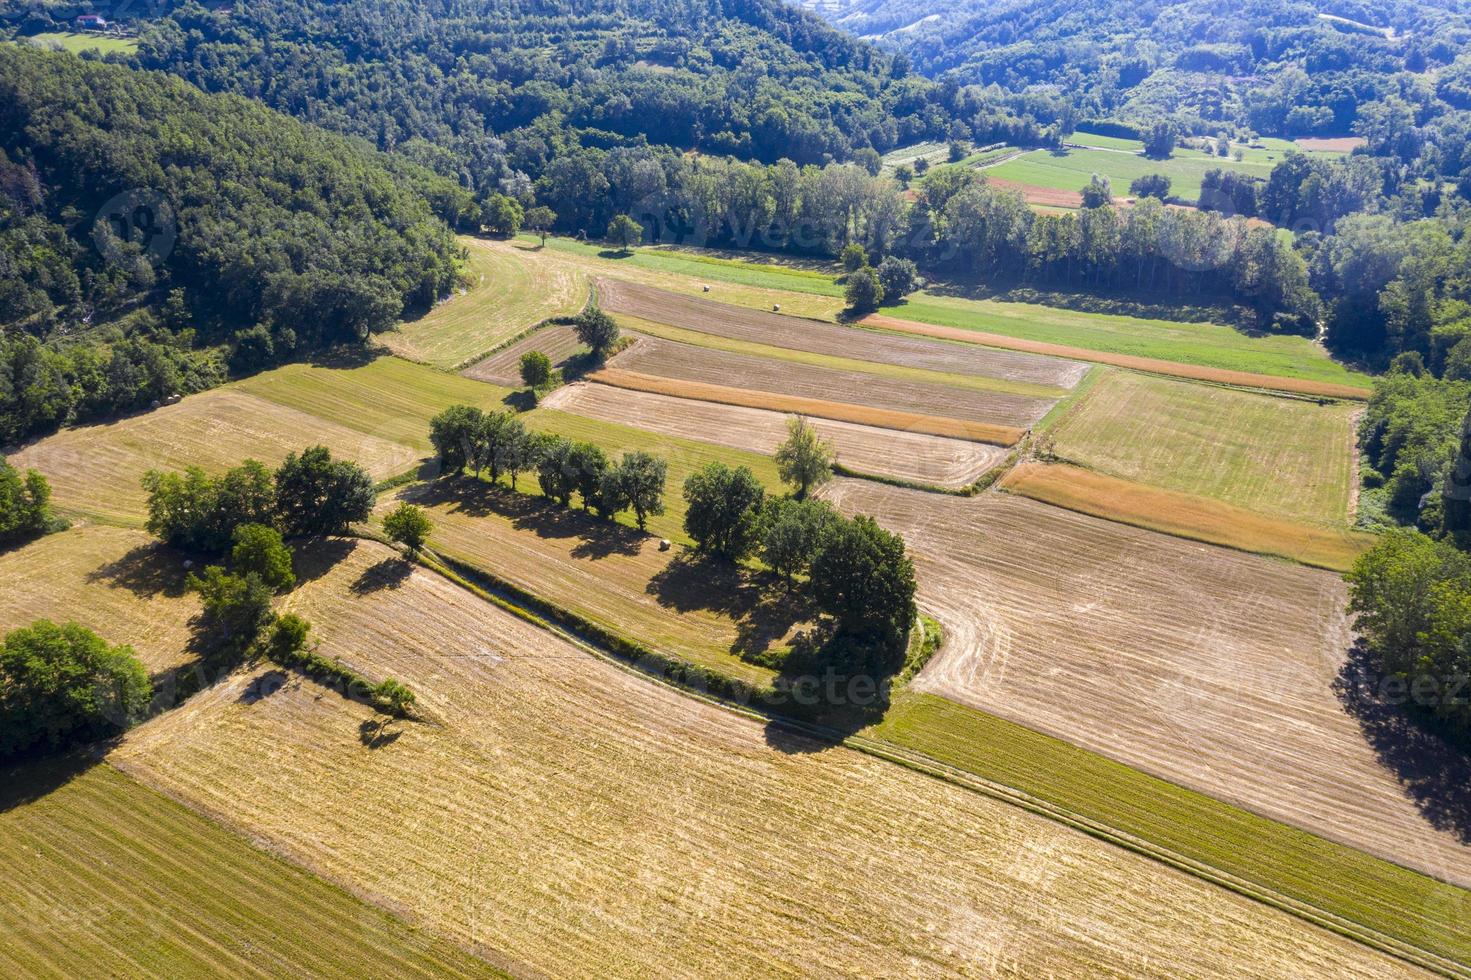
x: 1242, y: 379
x: 999, y: 435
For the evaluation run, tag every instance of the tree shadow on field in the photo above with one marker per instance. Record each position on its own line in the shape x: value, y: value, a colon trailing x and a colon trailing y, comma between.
x: 147, y: 571
x: 264, y: 686
x: 28, y: 780
x: 345, y: 356
x: 764, y: 610
x: 314, y: 557
x: 1432, y: 771
x: 376, y: 733
x: 544, y: 518
x: 390, y: 573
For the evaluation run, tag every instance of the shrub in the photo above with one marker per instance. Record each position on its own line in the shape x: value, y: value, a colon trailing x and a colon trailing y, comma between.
x: 396, y: 697
x: 1151, y: 185
x: 864, y: 292
x: 61, y: 685
x: 408, y: 525
x: 898, y: 277
x: 853, y: 257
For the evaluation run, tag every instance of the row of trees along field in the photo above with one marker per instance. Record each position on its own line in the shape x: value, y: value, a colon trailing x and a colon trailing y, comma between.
x: 270, y: 239
x: 856, y: 571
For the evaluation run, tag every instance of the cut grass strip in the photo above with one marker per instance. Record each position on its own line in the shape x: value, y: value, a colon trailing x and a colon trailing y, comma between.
x: 971, y: 382
x: 999, y: 435
x: 1377, y: 894
x: 105, y: 877
x: 1185, y: 515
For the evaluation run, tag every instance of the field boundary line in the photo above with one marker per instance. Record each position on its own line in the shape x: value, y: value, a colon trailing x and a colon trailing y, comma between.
x: 926, y: 765
x: 1149, y: 365
x: 883, y: 418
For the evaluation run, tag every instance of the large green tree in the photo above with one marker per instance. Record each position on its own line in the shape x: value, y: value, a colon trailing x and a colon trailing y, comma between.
x: 723, y: 509
x: 316, y: 494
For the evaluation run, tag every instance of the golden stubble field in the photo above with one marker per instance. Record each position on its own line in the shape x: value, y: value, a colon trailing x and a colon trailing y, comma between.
x: 1211, y: 668
x: 571, y: 816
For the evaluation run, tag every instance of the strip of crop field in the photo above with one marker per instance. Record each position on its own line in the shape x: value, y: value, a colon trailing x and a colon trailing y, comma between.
x: 1021, y: 374
x: 1285, y: 458
x: 687, y: 362
x: 505, y: 295
x: 1000, y: 435
x: 580, y: 815
x: 104, y: 877
x: 503, y: 367
x: 1216, y: 670
x: 119, y: 584
x: 1194, y: 372
x: 912, y: 456
x: 1186, y: 515
x: 95, y: 471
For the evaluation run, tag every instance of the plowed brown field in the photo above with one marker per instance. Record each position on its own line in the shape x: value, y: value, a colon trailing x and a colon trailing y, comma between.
x: 1195, y: 372
x: 573, y: 817
x: 686, y: 362
x: 796, y: 333
x: 1210, y: 668
x: 504, y: 366
x: 881, y: 452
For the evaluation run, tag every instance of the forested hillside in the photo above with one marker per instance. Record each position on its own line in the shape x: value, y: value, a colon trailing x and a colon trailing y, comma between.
x: 152, y: 236
x: 1282, y: 69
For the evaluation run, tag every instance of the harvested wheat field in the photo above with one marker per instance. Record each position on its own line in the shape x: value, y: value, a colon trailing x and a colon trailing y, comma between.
x: 95, y: 471
x: 1207, y: 667
x: 580, y: 818
x: 1150, y: 365
x: 687, y: 362
x: 506, y: 295
x: 759, y: 326
x: 116, y: 582
x: 1186, y: 515
x: 934, y: 425
x: 882, y: 452
x: 105, y: 877
x: 504, y: 366
x: 1285, y: 458
x: 702, y: 611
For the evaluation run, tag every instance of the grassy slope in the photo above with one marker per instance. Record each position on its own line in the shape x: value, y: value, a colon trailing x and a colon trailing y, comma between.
x: 1205, y: 344
x: 1286, y: 458
x: 506, y: 295
x: 1071, y: 170
x: 77, y: 42
x: 1346, y: 882
x: 105, y: 877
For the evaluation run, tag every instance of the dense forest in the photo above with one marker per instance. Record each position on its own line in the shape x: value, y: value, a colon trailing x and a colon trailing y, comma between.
x: 152, y: 237
x: 1282, y: 69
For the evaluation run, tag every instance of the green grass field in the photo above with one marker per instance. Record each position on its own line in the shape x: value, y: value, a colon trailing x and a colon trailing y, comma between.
x: 1071, y: 170
x: 77, y: 42
x: 1205, y: 344
x: 1282, y: 457
x: 1349, y: 883
x: 105, y: 877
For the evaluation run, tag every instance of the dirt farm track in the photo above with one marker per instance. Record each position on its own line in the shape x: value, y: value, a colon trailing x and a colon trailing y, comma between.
x: 1211, y: 668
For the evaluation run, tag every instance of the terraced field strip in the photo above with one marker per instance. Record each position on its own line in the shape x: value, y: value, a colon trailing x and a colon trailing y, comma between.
x: 506, y: 295
x: 95, y: 471
x: 104, y: 877
x: 573, y: 816
x: 1194, y: 372
x: 912, y: 456
x: 504, y: 366
x: 1021, y: 374
x: 704, y: 612
x: 1210, y: 668
x: 1285, y: 458
x: 760, y: 286
x: 690, y: 362
x: 1071, y: 169
x: 117, y: 582
x: 1186, y: 515
x: 999, y: 435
